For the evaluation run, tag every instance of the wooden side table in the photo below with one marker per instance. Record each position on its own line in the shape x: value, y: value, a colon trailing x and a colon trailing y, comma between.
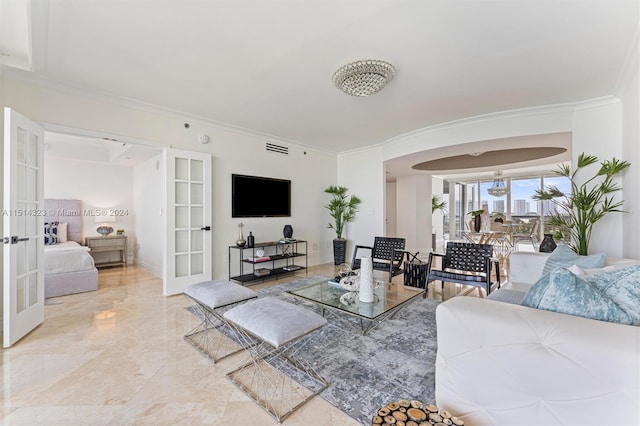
x: 103, y: 250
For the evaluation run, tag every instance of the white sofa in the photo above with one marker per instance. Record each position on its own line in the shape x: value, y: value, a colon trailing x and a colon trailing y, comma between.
x: 505, y: 364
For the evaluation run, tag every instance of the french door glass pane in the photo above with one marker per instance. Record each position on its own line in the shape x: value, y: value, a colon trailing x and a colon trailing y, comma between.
x: 33, y: 288
x: 20, y: 290
x: 197, y: 170
x: 197, y: 265
x: 32, y: 151
x: 182, y: 265
x: 197, y: 194
x: 182, y: 169
x: 182, y: 241
x: 182, y: 193
x: 182, y: 217
x: 197, y: 240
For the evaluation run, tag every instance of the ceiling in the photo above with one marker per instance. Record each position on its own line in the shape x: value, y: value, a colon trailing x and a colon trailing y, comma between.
x: 266, y: 66
x: 89, y: 149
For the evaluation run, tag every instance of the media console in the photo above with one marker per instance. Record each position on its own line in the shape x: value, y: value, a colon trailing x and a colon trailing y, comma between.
x: 278, y: 259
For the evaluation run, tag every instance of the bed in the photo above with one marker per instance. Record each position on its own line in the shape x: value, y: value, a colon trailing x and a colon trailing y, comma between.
x: 69, y: 268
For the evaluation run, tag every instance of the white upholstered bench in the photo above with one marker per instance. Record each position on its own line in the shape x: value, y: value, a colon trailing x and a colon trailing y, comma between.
x: 213, y: 337
x: 272, y: 331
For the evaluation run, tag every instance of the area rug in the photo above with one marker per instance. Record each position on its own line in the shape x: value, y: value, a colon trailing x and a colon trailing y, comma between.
x: 394, y: 361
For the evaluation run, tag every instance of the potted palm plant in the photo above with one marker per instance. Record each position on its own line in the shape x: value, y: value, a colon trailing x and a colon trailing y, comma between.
x: 587, y: 203
x: 477, y: 219
x: 437, y: 203
x: 342, y: 209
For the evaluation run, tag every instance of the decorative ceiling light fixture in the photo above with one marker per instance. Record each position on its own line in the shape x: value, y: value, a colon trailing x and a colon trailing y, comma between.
x: 499, y: 187
x: 363, y: 78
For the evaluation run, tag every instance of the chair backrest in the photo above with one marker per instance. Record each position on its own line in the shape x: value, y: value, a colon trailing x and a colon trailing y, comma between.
x: 467, y: 256
x: 534, y: 228
x: 383, y: 248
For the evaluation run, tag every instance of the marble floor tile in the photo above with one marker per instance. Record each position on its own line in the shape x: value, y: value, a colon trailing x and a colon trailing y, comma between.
x: 117, y: 356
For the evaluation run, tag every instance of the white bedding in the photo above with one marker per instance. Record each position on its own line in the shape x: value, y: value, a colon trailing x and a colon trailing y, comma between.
x: 67, y: 257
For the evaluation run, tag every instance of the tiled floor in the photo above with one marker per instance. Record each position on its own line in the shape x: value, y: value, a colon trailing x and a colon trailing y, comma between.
x: 117, y: 356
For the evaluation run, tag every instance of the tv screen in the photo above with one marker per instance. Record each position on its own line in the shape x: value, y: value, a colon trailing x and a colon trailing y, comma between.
x: 253, y: 196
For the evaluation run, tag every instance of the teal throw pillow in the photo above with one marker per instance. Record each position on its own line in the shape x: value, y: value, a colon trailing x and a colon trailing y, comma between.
x: 564, y: 257
x: 612, y: 297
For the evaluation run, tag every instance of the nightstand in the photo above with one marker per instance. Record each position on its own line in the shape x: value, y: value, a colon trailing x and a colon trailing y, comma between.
x: 108, y: 251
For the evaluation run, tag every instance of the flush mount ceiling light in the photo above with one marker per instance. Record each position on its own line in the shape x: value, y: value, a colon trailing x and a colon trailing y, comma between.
x: 499, y: 188
x: 363, y: 78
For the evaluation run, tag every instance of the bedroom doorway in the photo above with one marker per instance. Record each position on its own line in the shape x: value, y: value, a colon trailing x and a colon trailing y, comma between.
x: 23, y: 275
x: 158, y: 188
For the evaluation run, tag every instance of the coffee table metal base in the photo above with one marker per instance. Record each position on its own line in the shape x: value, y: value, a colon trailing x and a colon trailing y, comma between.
x: 366, y: 325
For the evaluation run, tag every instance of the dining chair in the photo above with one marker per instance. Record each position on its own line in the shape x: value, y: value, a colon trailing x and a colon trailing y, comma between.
x: 531, y: 236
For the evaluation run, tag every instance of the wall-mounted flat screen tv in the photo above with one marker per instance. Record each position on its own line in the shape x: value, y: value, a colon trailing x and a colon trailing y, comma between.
x: 254, y: 196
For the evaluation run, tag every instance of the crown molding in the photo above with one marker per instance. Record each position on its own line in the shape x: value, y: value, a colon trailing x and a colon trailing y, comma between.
x: 103, y: 97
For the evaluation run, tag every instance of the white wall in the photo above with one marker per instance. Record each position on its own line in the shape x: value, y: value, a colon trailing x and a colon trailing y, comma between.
x: 148, y: 204
x: 631, y: 152
x: 597, y: 131
x: 98, y: 185
x: 233, y: 151
x: 390, y: 210
x: 362, y: 172
x: 414, y: 208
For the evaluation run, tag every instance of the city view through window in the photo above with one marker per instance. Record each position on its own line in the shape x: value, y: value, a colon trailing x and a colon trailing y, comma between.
x: 519, y: 205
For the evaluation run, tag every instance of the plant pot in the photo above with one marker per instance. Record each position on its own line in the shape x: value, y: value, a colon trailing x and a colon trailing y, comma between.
x: 548, y: 244
x: 477, y: 223
x: 339, y: 251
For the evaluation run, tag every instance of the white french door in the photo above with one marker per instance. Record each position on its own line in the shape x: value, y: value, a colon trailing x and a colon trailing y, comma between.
x: 188, y: 220
x: 23, y: 242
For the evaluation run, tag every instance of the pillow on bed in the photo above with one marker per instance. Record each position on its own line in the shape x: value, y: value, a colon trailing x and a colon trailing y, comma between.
x: 62, y: 232
x: 50, y: 233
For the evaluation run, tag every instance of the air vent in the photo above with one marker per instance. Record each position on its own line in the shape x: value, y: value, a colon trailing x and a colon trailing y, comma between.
x: 279, y: 149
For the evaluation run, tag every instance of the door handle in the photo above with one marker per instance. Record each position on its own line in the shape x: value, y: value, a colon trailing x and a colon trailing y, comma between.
x: 14, y: 239
x: 205, y: 228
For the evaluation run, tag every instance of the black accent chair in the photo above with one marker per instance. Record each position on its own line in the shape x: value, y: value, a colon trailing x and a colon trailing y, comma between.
x: 387, y: 254
x: 464, y: 263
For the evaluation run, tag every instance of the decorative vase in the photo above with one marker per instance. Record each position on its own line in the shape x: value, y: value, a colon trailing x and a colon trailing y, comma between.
x: 250, y: 240
x: 339, y: 251
x: 240, y: 242
x: 365, y: 293
x: 287, y: 231
x: 477, y: 223
x: 548, y: 244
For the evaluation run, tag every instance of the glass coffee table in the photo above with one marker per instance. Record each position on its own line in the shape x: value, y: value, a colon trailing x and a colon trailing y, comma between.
x: 332, y: 298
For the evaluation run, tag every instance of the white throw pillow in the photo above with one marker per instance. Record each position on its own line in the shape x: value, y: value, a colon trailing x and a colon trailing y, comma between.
x: 62, y: 232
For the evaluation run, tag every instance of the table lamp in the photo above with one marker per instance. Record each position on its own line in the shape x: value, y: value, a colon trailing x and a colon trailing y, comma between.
x: 105, y: 229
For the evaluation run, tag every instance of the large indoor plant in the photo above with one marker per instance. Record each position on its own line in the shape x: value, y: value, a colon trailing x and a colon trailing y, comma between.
x: 342, y: 209
x: 587, y: 203
x: 437, y: 203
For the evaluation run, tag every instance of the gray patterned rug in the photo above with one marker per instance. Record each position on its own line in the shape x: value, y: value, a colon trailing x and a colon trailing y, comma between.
x: 394, y: 361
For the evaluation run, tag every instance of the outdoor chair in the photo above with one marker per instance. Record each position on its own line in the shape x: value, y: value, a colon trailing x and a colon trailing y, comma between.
x: 464, y: 263
x: 531, y: 236
x: 387, y: 254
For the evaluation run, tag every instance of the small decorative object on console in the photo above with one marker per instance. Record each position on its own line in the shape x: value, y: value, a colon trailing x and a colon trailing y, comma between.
x: 262, y: 272
x: 414, y: 412
x: 240, y: 242
x: 287, y: 232
x: 250, y: 240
